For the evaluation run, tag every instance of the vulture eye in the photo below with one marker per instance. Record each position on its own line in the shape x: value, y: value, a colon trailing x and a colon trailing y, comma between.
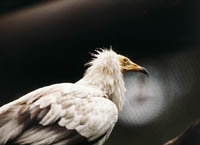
x: 125, y: 60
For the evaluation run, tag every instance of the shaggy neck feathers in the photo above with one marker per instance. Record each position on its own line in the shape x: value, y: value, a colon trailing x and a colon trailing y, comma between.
x: 105, y: 73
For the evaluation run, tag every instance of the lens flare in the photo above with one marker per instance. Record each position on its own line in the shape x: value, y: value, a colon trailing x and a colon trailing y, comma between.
x: 144, y: 99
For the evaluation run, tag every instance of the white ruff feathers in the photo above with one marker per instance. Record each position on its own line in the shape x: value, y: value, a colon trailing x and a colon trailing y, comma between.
x: 105, y: 73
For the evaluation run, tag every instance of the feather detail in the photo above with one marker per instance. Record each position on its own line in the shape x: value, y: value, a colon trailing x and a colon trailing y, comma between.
x: 65, y: 114
x: 104, y: 72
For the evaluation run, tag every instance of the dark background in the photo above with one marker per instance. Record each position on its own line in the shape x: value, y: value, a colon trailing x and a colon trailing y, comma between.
x: 46, y: 42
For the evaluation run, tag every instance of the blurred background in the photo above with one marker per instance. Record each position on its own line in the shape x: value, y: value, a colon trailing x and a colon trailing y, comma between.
x: 48, y: 41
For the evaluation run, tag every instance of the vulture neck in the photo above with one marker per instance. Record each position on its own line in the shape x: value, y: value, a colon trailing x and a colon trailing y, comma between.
x: 109, y: 80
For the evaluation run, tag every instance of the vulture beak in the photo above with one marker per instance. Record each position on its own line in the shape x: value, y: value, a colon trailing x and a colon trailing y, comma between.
x: 134, y: 67
x: 128, y: 65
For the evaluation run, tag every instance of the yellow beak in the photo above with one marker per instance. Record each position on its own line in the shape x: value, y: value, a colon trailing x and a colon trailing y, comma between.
x: 134, y: 67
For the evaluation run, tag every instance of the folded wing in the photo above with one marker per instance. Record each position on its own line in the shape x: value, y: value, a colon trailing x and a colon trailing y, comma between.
x: 62, y: 114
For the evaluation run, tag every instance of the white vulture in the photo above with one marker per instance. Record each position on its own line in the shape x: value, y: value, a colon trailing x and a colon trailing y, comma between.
x: 81, y: 113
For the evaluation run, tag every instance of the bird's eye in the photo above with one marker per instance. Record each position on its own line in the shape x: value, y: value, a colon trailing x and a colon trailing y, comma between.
x: 125, y: 60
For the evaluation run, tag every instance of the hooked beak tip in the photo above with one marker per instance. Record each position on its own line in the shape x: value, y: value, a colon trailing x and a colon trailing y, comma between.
x: 144, y: 71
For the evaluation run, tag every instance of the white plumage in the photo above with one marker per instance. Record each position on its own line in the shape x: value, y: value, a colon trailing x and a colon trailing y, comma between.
x: 83, y: 113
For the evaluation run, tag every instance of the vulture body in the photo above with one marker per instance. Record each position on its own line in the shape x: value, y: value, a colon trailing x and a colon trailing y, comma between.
x: 83, y: 113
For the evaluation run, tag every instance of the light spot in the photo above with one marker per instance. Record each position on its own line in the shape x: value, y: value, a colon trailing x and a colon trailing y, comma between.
x: 144, y: 100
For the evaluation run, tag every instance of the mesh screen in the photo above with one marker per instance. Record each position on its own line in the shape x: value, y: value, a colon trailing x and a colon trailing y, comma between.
x: 161, y: 106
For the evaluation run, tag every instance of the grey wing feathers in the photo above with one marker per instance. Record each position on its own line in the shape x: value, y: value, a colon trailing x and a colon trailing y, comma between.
x: 51, y: 135
x: 58, y: 114
x: 17, y: 116
x: 54, y: 134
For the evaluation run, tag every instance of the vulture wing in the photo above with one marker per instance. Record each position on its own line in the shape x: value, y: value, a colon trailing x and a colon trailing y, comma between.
x: 61, y: 114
